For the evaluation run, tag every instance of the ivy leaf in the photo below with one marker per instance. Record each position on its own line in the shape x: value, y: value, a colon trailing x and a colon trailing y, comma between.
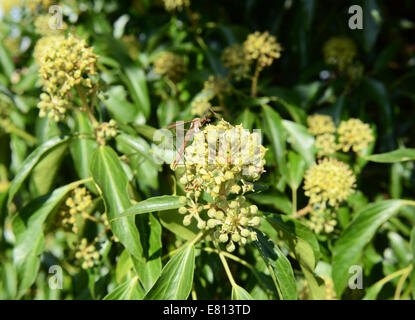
x: 112, y: 181
x: 349, y: 246
x: 176, y: 278
x: 301, y: 140
x: 276, y: 135
x: 135, y: 79
x: 295, y: 166
x: 239, y: 293
x: 393, y: 156
x: 280, y: 266
x: 303, y: 244
x: 152, y: 205
x: 128, y: 290
x: 29, y: 234
x: 82, y: 148
x: 31, y: 162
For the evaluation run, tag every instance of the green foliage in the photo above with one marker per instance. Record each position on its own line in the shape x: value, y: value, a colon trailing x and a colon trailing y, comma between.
x: 89, y: 180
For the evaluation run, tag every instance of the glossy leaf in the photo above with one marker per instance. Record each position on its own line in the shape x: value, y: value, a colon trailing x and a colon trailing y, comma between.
x: 349, y: 246
x: 239, y: 293
x: 176, y: 278
x: 276, y: 134
x: 153, y: 204
x: 128, y: 290
x: 398, y: 155
x: 30, y: 238
x: 30, y: 163
x: 82, y: 148
x: 111, y: 179
x: 280, y: 266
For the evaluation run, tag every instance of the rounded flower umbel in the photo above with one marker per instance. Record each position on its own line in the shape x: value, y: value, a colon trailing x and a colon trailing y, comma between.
x: 88, y: 254
x: 320, y: 124
x: 170, y: 65
x: 354, y: 135
x: 200, y: 105
x: 329, y: 182
x: 178, y: 5
x: 322, y: 220
x: 105, y: 131
x: 236, y: 60
x: 326, y: 144
x: 77, y: 207
x: 339, y: 51
x: 222, y: 161
x: 64, y: 64
x: 263, y: 48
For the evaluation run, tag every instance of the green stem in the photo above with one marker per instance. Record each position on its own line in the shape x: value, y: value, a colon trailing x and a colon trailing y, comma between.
x: 401, y: 282
x: 254, y: 84
x: 225, y: 265
x: 294, y: 200
x: 11, y: 128
x: 86, y: 106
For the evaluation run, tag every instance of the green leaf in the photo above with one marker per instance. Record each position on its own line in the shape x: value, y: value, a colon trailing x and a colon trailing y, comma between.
x: 44, y: 172
x: 142, y: 161
x: 152, y: 205
x: 295, y: 166
x: 297, y: 236
x: 176, y: 279
x: 412, y: 243
x: 377, y: 91
x: 6, y: 61
x: 124, y: 264
x: 135, y: 79
x: 82, y: 148
x: 276, y: 134
x: 280, y: 266
x: 173, y: 221
x: 128, y: 290
x: 120, y: 108
x: 30, y: 163
x: 372, y: 22
x: 301, y: 140
x: 398, y: 155
x: 349, y: 246
x: 239, y: 293
x: 113, y: 183
x: 30, y: 239
x: 150, y: 235
x: 274, y: 199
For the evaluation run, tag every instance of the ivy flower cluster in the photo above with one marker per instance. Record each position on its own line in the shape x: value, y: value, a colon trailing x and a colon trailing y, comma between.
x: 322, y: 220
x: 328, y: 182
x: 170, y: 66
x: 200, y: 105
x: 320, y: 124
x: 178, y: 5
x: 235, y: 59
x: 222, y: 161
x: 33, y: 6
x: 263, y: 48
x: 76, y: 206
x: 354, y: 135
x: 87, y: 253
x: 105, y: 131
x: 351, y: 135
x: 64, y: 64
x: 213, y: 87
x: 339, y: 51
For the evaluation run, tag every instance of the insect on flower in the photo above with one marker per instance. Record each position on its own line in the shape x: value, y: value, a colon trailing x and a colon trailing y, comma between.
x: 195, y: 126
